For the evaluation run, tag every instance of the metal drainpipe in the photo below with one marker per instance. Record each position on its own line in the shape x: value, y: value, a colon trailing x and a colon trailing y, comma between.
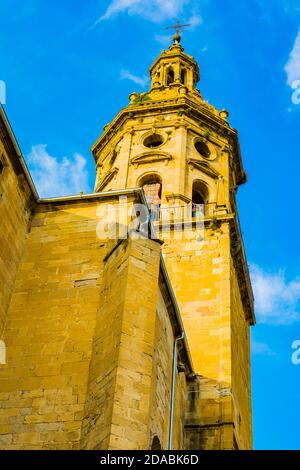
x: 180, y: 338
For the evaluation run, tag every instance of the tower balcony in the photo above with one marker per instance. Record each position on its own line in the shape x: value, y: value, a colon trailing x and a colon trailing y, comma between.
x: 184, y: 214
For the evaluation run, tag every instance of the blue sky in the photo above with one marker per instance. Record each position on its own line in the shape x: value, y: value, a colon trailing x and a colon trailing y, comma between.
x: 69, y: 67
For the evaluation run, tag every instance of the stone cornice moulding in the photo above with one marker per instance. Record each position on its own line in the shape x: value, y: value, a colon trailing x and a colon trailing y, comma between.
x: 150, y: 157
x: 205, y: 167
x: 168, y: 106
x: 197, y: 111
x: 107, y: 178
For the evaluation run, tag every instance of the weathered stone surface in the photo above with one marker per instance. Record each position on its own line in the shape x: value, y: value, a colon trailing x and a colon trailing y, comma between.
x: 87, y: 320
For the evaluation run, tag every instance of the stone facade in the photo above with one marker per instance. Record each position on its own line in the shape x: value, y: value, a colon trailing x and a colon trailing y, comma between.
x: 15, y: 211
x: 89, y: 320
x: 80, y: 337
x: 197, y: 151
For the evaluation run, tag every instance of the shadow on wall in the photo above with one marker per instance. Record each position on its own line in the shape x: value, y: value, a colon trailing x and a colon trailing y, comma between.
x: 209, y: 423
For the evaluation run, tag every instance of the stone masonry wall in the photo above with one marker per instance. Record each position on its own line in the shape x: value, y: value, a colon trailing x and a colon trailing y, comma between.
x: 120, y: 377
x: 49, y: 330
x: 16, y: 203
x: 161, y: 387
x: 200, y: 275
x: 85, y: 343
x: 241, y: 370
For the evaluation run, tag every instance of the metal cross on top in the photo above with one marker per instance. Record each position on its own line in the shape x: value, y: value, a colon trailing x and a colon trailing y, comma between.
x: 178, y: 28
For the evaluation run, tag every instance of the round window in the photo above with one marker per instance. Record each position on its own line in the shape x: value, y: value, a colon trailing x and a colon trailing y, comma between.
x: 154, y: 140
x: 202, y: 148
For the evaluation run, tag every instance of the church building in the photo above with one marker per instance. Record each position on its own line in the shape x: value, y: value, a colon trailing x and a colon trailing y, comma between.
x: 125, y: 314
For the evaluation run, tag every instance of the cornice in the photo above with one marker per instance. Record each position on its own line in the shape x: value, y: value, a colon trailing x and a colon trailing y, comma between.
x: 240, y: 264
x: 204, y: 167
x: 149, y: 157
x: 179, y: 104
x: 107, y: 178
x: 14, y: 153
x: 186, y: 107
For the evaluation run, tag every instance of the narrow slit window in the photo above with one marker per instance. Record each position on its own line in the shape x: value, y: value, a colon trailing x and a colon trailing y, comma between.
x: 183, y: 76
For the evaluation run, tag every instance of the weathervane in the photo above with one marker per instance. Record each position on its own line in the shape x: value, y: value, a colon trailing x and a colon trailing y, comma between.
x: 179, y: 28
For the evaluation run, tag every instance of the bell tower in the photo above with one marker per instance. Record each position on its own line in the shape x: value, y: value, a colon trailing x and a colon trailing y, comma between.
x: 184, y: 153
x: 175, y: 69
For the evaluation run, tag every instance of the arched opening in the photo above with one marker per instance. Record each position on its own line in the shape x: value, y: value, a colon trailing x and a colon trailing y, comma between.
x: 170, y: 76
x: 183, y: 76
x: 199, y: 199
x: 152, y: 187
x: 156, y: 445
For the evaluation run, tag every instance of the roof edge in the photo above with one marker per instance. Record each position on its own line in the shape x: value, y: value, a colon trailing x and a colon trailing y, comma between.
x: 18, y: 152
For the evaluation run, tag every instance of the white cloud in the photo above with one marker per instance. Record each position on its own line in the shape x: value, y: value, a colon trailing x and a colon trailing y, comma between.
x: 54, y: 177
x: 292, y: 68
x: 126, y: 75
x: 163, y: 39
x: 195, y: 20
x: 2, y: 92
x: 277, y: 301
x: 261, y: 349
x: 153, y: 10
